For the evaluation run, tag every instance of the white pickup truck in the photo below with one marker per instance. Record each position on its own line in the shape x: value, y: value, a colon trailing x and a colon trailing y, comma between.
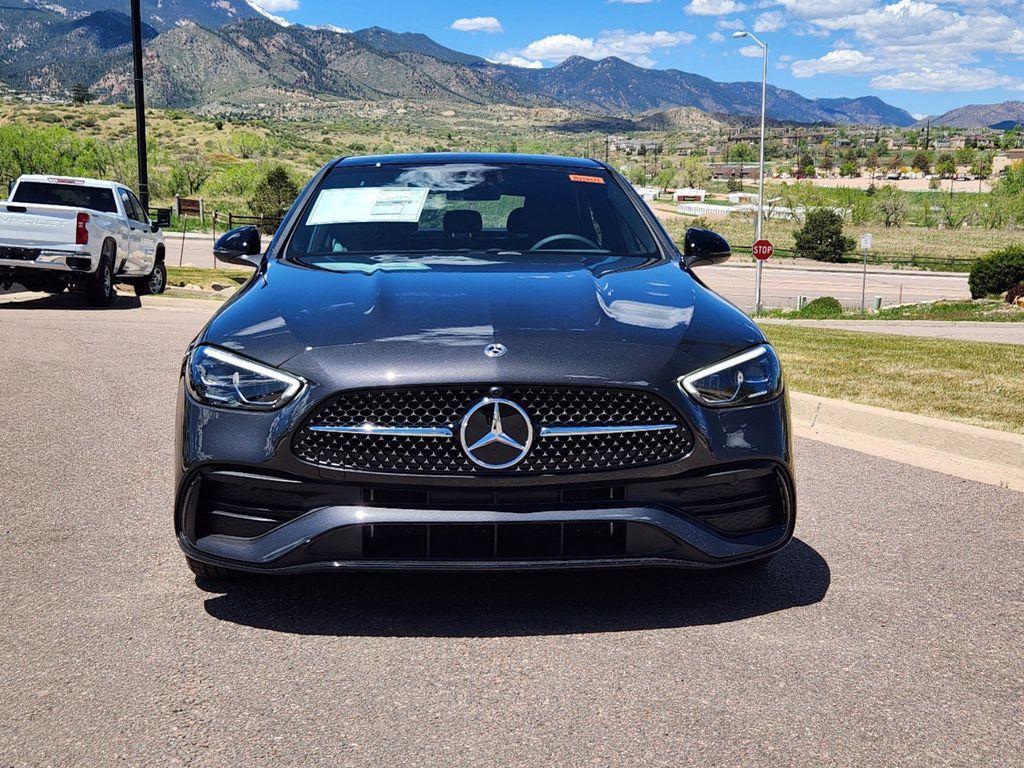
x: 59, y: 233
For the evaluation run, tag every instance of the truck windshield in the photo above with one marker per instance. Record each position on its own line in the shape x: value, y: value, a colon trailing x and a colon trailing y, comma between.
x: 468, y: 207
x: 71, y: 195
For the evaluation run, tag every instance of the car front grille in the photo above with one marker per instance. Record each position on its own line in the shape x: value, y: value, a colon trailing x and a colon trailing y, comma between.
x: 417, y: 430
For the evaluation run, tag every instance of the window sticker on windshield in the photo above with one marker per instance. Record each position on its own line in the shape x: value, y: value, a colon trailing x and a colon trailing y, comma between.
x: 368, y: 204
x: 586, y: 179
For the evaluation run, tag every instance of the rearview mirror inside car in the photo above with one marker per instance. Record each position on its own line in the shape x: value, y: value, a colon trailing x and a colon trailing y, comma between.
x: 241, y: 245
x: 702, y: 246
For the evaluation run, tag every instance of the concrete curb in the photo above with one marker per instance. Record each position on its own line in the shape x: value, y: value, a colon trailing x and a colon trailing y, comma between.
x: 973, y: 453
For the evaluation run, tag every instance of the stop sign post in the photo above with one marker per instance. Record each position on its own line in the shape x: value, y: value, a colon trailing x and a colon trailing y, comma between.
x: 762, y: 250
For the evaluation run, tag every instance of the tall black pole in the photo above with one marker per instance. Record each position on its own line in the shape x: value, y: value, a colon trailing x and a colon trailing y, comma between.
x: 140, y: 104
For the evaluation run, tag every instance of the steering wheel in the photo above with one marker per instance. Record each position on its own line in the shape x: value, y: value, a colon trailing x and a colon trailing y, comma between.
x: 554, y: 238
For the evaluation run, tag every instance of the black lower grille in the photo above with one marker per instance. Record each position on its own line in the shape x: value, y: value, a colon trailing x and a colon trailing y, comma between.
x: 495, y: 541
x: 650, y: 431
x: 19, y: 254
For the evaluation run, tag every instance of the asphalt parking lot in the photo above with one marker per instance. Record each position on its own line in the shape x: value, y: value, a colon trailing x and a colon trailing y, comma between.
x: 888, y: 633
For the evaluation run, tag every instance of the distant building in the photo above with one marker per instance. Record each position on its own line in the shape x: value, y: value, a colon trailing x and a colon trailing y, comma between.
x: 633, y: 146
x: 725, y: 171
x: 647, y: 193
x: 689, y: 195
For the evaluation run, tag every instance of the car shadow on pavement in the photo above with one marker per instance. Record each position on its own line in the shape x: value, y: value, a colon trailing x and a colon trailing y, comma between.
x: 518, y: 604
x: 63, y: 301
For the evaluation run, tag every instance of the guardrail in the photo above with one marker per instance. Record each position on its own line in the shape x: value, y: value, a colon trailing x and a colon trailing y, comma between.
x: 934, y: 263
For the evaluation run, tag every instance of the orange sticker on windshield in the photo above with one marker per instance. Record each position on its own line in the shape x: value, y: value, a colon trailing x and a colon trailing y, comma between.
x: 586, y: 179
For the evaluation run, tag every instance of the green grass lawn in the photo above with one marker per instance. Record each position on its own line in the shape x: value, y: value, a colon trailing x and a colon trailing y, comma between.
x: 972, y: 382
x: 178, y: 277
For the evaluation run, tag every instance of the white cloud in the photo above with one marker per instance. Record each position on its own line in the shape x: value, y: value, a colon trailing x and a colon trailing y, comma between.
x: 635, y: 47
x: 922, y: 45
x: 277, y: 5
x: 265, y: 6
x: 716, y: 37
x: 714, y: 7
x: 823, y: 9
x: 769, y: 22
x: 487, y: 24
x: 730, y: 24
x: 845, y: 61
x: 945, y: 79
x: 507, y: 57
x: 751, y: 51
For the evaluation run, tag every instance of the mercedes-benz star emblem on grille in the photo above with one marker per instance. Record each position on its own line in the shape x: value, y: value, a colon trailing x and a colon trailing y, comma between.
x: 495, y: 350
x: 496, y: 433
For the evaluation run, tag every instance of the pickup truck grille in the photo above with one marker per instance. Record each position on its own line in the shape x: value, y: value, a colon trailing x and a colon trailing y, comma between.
x: 18, y: 254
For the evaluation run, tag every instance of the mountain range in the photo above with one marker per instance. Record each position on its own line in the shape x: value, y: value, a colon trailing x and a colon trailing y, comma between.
x: 1002, y: 116
x: 204, y: 54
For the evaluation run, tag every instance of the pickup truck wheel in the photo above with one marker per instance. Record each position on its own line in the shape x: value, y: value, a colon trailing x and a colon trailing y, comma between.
x: 155, y: 283
x: 212, y: 572
x: 100, y: 289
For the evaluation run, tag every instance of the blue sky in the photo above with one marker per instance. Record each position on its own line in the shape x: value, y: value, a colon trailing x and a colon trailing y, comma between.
x: 924, y: 55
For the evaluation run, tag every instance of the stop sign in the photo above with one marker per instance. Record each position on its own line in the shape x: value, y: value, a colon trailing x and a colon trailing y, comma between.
x: 763, y: 250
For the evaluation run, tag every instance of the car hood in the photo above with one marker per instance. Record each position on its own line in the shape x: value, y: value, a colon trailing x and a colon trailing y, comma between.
x: 412, y: 314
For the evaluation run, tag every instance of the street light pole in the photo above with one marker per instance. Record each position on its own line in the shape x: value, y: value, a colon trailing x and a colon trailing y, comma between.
x: 760, y: 174
x: 140, y: 105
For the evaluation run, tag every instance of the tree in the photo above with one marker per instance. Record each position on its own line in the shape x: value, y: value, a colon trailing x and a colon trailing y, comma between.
x: 849, y: 168
x: 945, y: 166
x: 274, y: 193
x: 955, y: 210
x: 921, y: 162
x: 872, y: 164
x: 80, y: 94
x: 828, y: 161
x: 981, y: 168
x: 821, y: 237
x: 892, y: 205
x: 805, y: 166
x: 188, y: 174
x: 664, y: 178
x: 694, y: 172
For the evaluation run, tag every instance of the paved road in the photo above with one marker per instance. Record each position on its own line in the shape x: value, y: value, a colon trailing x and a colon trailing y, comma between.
x: 887, y: 634
x: 999, y: 333
x: 782, y: 285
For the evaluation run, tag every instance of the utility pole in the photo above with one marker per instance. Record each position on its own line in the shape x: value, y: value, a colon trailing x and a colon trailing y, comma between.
x: 140, y: 105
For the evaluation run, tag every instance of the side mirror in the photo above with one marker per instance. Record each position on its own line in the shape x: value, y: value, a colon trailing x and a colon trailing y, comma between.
x: 241, y: 245
x: 154, y: 226
x: 702, y: 246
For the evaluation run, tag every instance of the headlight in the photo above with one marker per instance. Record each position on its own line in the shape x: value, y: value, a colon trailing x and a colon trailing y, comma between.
x: 220, y: 378
x: 746, y: 379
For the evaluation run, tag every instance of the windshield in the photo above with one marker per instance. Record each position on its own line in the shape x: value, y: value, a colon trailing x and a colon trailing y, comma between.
x: 468, y: 207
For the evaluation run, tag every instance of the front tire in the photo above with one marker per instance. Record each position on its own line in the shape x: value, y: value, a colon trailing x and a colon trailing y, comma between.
x: 100, y: 289
x: 153, y: 284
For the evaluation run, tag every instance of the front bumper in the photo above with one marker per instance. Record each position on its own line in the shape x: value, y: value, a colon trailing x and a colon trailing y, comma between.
x: 245, y: 501
x: 271, y: 523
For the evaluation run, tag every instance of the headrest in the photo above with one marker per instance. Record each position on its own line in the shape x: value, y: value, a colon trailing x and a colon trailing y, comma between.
x: 463, y: 222
x: 518, y: 222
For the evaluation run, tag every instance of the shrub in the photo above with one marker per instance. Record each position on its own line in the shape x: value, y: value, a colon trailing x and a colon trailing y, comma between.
x: 822, y: 307
x: 273, y: 193
x: 997, y: 272
x: 1015, y: 292
x: 821, y: 237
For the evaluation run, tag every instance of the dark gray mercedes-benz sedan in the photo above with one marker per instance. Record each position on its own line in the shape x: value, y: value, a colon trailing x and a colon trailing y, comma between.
x: 478, y: 361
